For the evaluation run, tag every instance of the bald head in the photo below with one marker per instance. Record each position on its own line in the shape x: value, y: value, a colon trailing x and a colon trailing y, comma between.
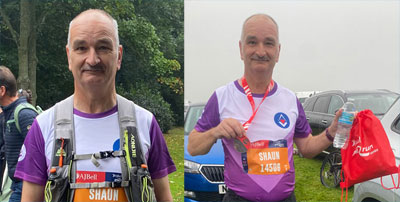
x: 258, y: 17
x: 94, y: 13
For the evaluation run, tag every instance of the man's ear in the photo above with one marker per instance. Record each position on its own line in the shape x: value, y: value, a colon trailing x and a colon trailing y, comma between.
x: 279, y: 52
x: 119, y: 62
x: 68, y: 57
x: 240, y: 48
x: 2, y: 91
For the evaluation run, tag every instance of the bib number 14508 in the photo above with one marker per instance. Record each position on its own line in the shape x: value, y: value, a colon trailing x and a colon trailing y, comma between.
x: 271, y: 167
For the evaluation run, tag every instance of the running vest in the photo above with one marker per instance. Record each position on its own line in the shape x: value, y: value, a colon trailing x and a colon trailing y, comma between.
x: 136, y: 179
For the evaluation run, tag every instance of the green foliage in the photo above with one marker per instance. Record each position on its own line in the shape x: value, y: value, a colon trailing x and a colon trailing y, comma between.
x: 167, y: 18
x: 152, y: 56
x: 174, y: 139
x: 152, y: 101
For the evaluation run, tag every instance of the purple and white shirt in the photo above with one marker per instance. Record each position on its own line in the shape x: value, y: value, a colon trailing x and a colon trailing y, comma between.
x: 280, y: 117
x: 93, y: 133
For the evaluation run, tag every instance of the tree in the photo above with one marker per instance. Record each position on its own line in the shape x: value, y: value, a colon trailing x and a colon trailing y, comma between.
x: 167, y: 17
x: 26, y: 43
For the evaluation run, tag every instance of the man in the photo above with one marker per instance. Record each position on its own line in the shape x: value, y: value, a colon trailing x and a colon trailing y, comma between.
x: 94, y: 57
x: 269, y: 115
x: 13, y: 138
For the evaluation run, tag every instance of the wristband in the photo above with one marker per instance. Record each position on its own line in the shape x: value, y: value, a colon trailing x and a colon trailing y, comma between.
x: 328, y: 135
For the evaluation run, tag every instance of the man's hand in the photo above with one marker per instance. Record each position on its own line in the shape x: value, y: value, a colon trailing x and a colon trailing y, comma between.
x: 313, y: 145
x: 228, y: 128
x: 334, y: 125
x: 200, y: 143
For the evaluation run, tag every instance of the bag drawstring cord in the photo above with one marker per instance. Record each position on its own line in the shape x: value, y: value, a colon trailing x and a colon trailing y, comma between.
x: 394, y: 184
x: 343, y: 184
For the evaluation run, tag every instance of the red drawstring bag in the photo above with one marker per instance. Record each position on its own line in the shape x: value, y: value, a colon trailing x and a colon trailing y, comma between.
x: 367, y: 153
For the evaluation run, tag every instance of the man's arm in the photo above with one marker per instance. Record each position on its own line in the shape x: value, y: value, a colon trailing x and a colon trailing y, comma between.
x: 200, y: 143
x: 32, y: 192
x: 313, y: 145
x: 161, y: 189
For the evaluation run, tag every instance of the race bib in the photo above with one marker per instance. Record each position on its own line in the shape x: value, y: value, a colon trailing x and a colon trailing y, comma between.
x: 266, y: 158
x: 101, y: 194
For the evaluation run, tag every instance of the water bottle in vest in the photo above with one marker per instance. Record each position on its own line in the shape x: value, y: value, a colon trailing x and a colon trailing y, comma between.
x: 344, y: 125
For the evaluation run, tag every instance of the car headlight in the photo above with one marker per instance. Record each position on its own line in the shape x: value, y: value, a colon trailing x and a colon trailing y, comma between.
x: 191, y: 167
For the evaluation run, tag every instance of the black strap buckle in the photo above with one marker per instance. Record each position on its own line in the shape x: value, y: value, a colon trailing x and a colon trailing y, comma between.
x: 116, y: 184
x: 106, y: 154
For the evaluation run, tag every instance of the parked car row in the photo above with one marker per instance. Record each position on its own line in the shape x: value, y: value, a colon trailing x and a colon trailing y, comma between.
x: 204, y: 177
x: 320, y: 109
x: 304, y: 95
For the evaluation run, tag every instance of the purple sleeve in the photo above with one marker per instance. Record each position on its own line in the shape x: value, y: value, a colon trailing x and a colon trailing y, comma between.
x: 302, y: 129
x: 32, y: 165
x: 210, y: 117
x: 159, y: 161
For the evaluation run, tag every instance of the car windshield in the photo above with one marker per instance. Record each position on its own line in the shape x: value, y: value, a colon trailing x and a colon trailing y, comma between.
x: 379, y: 104
x: 192, y: 116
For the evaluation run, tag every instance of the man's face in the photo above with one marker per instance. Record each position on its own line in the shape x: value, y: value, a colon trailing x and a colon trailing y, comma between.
x: 259, y: 46
x: 93, y: 56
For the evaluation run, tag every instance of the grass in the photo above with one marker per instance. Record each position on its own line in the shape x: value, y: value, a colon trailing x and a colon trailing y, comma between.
x: 308, y: 184
x: 174, y: 139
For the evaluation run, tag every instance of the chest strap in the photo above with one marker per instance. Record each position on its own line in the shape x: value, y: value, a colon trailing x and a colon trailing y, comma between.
x: 99, y: 155
x: 95, y: 185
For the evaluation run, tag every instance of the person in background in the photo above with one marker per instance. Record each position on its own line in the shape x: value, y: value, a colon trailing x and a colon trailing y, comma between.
x: 13, y: 138
x: 27, y: 94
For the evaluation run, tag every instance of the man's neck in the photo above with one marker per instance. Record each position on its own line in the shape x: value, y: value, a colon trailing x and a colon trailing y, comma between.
x: 257, y: 84
x: 6, y: 100
x: 91, y: 103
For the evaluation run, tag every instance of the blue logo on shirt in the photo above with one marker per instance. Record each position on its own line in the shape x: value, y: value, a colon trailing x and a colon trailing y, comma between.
x: 116, y: 145
x: 282, y: 120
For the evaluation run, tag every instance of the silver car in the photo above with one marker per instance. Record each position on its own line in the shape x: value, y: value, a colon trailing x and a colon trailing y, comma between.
x: 372, y: 190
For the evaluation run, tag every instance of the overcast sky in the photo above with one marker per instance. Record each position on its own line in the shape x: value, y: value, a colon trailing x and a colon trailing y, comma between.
x: 325, y: 44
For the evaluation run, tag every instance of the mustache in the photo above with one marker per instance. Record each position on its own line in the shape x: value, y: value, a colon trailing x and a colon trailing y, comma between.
x: 97, y: 67
x: 260, y: 58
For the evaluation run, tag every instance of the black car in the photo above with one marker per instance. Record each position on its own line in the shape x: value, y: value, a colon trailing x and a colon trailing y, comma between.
x: 320, y: 109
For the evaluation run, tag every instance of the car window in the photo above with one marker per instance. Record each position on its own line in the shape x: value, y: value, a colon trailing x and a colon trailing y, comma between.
x: 321, y: 105
x: 309, y: 104
x: 192, y: 116
x: 335, y: 104
x: 379, y: 104
x: 397, y: 124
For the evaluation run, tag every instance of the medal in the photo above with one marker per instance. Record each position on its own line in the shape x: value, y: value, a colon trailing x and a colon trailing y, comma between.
x: 242, y: 144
